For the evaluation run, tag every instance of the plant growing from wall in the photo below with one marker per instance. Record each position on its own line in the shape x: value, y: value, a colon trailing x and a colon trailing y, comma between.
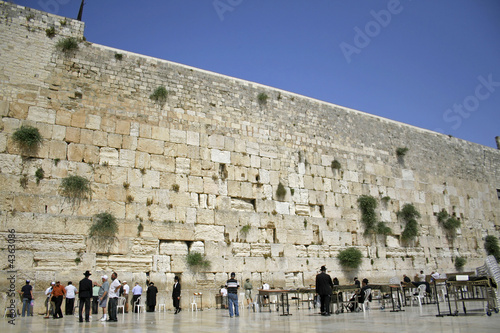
x: 140, y: 228
x: 401, y: 151
x: 409, y: 214
x: 76, y: 188
x: 50, y: 32
x: 245, y: 229
x: 39, y: 174
x: 460, y: 263
x: 350, y: 258
x: 159, y: 95
x: 386, y: 199
x: 28, y: 139
x: 262, y: 98
x: 103, y: 230
x: 280, y: 191
x: 367, y: 204
x: 383, y: 229
x: 67, y: 45
x: 175, y: 188
x: 449, y: 222
x: 196, y: 261
x: 336, y: 165
x: 118, y: 56
x: 491, y: 246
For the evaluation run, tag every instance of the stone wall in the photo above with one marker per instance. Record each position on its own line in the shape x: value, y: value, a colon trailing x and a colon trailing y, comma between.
x: 193, y: 170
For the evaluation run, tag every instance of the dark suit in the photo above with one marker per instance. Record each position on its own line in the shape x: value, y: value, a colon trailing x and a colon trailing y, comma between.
x: 85, y: 296
x: 324, y: 287
x: 176, y: 294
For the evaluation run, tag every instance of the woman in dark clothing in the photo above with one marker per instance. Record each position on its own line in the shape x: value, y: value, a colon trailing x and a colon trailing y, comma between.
x: 151, y: 297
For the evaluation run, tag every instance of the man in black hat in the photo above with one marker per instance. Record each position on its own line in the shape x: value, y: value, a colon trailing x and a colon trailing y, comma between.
x: 85, y: 296
x: 324, y: 287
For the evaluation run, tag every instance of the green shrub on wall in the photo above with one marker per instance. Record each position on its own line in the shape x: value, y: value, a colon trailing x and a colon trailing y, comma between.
x: 159, y: 95
x: 67, y: 44
x: 28, y: 139
x: 197, y: 261
x: 460, y: 263
x: 350, y: 258
x: 367, y: 204
x: 491, y: 246
x: 104, y: 226
x: 281, y: 191
x: 76, y: 187
x: 449, y: 222
x: 409, y: 214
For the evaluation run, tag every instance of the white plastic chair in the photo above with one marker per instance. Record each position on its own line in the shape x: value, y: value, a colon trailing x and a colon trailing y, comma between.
x: 241, y: 302
x: 194, y: 305
x: 139, y: 304
x: 121, y: 304
x: 162, y: 305
x: 420, y: 295
x: 366, y: 302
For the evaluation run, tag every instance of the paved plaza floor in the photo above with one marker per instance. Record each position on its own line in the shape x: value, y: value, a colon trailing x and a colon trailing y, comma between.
x: 413, y: 319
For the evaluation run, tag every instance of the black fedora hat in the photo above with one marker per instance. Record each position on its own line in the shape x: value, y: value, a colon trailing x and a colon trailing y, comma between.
x: 87, y: 273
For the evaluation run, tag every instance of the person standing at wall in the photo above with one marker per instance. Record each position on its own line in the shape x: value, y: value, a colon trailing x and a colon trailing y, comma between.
x: 114, y: 288
x: 85, y: 295
x: 95, y: 298
x: 27, y: 294
x: 49, y: 307
x: 232, y: 295
x: 71, y: 292
x: 324, y: 287
x: 136, y: 293
x: 103, y: 296
x: 248, y: 291
x: 126, y: 291
x: 58, y: 293
x: 176, y: 295
x: 151, y: 297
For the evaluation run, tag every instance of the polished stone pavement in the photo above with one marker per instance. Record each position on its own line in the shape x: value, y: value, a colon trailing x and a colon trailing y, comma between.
x: 413, y: 319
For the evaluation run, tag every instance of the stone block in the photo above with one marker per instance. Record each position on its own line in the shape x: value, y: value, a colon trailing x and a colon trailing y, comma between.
x: 193, y: 138
x: 4, y: 108
x: 41, y: 115
x: 182, y: 165
x: 72, y: 135
x: 109, y: 156
x: 160, y: 133
x: 219, y: 156
x: 122, y: 127
x: 115, y: 140
x: 127, y: 158
x: 75, y: 152
x: 100, y: 139
x: 177, y: 136
x: 93, y: 122
x: 150, y: 146
x: 57, y: 149
x: 209, y: 233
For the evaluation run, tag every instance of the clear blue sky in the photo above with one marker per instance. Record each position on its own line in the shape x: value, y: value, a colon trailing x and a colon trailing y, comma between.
x: 431, y: 64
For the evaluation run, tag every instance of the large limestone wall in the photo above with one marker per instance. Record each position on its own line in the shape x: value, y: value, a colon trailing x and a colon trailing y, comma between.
x: 226, y: 153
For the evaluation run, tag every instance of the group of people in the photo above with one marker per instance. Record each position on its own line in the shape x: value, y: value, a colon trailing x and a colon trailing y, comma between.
x: 324, y: 289
x: 104, y: 296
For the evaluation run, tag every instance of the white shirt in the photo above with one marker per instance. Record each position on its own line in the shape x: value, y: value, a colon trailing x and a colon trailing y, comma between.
x: 223, y: 292
x: 265, y: 286
x: 70, y: 291
x: 126, y: 289
x: 48, y: 291
x: 137, y: 290
x: 114, y: 285
x: 435, y: 275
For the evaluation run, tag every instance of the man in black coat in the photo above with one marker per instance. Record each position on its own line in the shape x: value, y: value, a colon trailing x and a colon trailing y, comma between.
x: 85, y: 296
x: 324, y: 287
x: 151, y: 297
x: 176, y: 295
